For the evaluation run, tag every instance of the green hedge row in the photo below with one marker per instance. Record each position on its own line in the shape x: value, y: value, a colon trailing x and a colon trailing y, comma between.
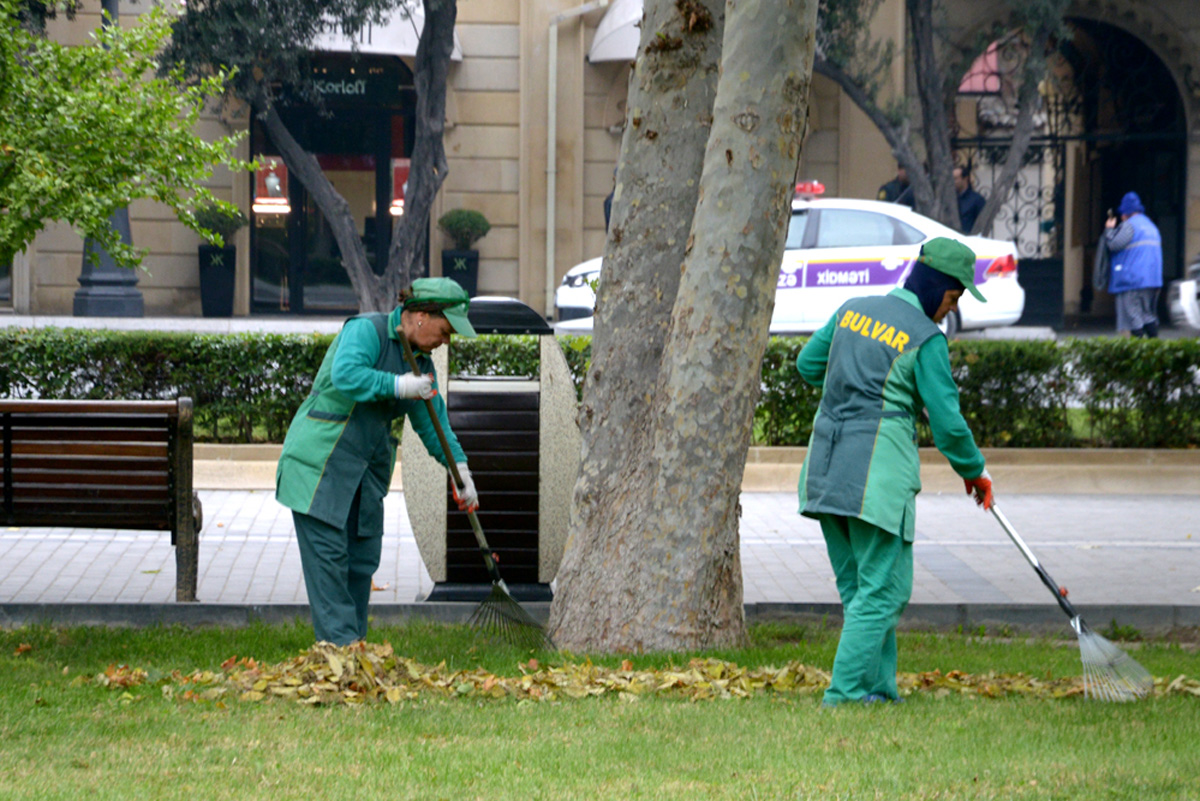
x: 1103, y: 391
x: 245, y: 387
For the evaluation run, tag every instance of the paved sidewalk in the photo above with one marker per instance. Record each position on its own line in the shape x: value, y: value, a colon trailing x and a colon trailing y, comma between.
x: 1133, y: 558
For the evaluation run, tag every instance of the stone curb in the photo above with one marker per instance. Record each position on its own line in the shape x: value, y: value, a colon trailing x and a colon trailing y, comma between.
x: 1149, y: 619
x: 1084, y: 471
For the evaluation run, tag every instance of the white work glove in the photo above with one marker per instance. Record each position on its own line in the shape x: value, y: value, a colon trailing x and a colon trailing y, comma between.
x: 409, y: 385
x: 468, y: 497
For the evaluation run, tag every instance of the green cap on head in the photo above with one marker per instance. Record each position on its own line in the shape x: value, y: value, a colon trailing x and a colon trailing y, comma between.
x: 451, y: 300
x: 953, y: 258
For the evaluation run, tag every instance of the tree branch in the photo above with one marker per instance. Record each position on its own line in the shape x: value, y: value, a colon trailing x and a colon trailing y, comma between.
x: 429, y: 167
x: 1027, y: 102
x: 896, y: 136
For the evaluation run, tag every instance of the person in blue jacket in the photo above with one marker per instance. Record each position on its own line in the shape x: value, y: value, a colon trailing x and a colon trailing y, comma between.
x: 879, y: 362
x: 1135, y: 267
x: 339, y: 453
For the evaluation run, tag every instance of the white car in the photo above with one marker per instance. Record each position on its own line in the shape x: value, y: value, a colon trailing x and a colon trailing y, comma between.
x: 1183, y: 298
x: 840, y: 249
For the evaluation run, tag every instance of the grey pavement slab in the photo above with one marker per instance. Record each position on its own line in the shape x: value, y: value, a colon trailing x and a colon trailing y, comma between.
x: 1131, y: 557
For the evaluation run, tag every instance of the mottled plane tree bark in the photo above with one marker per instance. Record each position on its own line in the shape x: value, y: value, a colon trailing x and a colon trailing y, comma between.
x: 684, y: 305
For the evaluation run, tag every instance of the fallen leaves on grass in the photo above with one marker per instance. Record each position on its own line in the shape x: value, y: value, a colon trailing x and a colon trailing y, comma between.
x: 22, y: 648
x: 114, y: 676
x: 367, y: 673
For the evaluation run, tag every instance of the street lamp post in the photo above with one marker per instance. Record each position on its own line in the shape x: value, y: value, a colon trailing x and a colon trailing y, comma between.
x: 107, y: 289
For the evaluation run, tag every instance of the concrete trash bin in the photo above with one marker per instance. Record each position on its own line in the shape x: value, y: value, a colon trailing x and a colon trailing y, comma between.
x: 523, y: 444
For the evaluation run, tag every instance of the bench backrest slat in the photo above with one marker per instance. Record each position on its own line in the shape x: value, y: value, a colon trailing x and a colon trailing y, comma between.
x: 107, y: 464
x: 153, y: 450
x: 40, y: 407
x: 103, y: 464
x: 90, y: 462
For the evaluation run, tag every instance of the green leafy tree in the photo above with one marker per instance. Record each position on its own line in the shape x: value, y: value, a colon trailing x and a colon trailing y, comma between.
x: 269, y: 43
x: 849, y: 55
x: 86, y: 130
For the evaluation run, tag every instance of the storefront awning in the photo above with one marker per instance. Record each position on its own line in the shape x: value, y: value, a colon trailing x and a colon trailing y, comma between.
x: 399, y: 36
x: 619, y: 32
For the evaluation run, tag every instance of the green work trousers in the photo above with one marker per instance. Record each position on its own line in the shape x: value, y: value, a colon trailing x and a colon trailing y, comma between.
x: 874, y: 571
x: 338, y: 565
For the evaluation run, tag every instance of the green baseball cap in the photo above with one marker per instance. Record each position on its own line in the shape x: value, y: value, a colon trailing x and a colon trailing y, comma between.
x: 953, y: 258
x: 452, y: 301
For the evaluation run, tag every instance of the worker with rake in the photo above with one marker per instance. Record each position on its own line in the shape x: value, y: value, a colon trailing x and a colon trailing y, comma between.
x: 879, y: 361
x: 339, y: 453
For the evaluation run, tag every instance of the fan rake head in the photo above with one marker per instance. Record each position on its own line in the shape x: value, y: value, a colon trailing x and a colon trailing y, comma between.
x: 1109, y: 674
x: 500, y: 616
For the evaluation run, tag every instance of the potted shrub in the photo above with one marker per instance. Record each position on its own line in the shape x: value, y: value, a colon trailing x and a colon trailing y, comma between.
x: 217, y: 263
x: 465, y: 227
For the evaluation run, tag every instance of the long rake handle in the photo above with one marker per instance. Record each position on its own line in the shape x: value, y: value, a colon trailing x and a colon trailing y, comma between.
x: 1033, y: 560
x: 492, y: 569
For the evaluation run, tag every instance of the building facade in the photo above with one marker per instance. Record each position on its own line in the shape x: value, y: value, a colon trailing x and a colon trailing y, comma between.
x: 1122, y: 112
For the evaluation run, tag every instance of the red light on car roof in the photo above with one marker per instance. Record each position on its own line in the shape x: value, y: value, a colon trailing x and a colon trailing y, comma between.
x: 810, y: 189
x: 1002, y: 267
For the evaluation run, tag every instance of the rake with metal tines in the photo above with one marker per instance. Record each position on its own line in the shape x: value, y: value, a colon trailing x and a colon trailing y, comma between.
x: 1109, y: 674
x: 499, y: 614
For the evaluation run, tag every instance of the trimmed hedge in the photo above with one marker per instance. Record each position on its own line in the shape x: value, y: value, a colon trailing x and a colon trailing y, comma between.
x: 1118, y: 392
x: 238, y: 382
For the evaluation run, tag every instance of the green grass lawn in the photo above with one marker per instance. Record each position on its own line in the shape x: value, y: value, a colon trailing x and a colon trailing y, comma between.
x: 63, y: 738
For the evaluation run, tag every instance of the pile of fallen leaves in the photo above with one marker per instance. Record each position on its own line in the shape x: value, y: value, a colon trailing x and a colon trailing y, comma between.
x: 364, y: 673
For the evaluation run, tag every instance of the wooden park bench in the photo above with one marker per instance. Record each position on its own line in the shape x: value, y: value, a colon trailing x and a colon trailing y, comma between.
x: 104, y: 464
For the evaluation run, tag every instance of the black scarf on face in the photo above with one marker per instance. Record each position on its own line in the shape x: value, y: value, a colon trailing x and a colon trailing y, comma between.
x: 930, y: 287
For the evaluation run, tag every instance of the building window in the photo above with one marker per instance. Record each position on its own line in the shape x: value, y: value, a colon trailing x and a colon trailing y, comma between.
x: 296, y: 265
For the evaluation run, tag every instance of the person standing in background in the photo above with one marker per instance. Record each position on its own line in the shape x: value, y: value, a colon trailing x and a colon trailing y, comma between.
x: 1135, y: 269
x: 608, y: 201
x: 970, y: 202
x: 898, y: 189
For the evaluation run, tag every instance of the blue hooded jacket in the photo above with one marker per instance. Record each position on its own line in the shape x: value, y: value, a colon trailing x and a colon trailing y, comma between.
x: 1139, y: 264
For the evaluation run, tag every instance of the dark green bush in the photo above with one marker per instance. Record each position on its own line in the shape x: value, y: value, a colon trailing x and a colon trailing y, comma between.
x: 1133, y: 393
x: 1013, y: 393
x: 238, y: 382
x: 516, y: 355
x: 1139, y: 393
x: 786, y: 407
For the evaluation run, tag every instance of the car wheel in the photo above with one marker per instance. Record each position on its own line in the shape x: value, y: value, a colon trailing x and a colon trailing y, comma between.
x: 950, y: 325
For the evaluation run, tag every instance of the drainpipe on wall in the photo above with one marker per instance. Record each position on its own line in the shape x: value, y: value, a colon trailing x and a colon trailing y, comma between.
x: 552, y: 140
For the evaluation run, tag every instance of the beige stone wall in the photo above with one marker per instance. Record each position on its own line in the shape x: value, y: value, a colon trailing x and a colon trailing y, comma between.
x: 605, y: 86
x: 483, y: 144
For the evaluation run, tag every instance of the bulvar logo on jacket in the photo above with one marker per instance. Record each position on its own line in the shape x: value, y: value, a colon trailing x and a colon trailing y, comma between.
x: 874, y: 329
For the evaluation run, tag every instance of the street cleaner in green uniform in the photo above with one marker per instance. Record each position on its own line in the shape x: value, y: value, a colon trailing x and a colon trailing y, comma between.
x: 339, y: 453
x: 879, y: 360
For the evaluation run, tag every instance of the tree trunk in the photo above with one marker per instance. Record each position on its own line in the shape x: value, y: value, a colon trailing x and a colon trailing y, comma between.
x: 410, y: 232
x: 668, y: 575
x: 931, y: 88
x: 667, y: 126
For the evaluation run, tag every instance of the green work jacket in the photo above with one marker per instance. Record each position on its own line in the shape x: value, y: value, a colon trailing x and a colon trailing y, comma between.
x: 879, y: 361
x: 341, y: 437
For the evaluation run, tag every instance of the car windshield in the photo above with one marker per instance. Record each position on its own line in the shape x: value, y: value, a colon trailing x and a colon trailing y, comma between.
x: 796, y: 229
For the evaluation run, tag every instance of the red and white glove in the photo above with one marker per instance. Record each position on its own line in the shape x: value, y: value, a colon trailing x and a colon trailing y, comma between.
x: 981, y: 488
x: 409, y: 385
x: 468, y: 497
